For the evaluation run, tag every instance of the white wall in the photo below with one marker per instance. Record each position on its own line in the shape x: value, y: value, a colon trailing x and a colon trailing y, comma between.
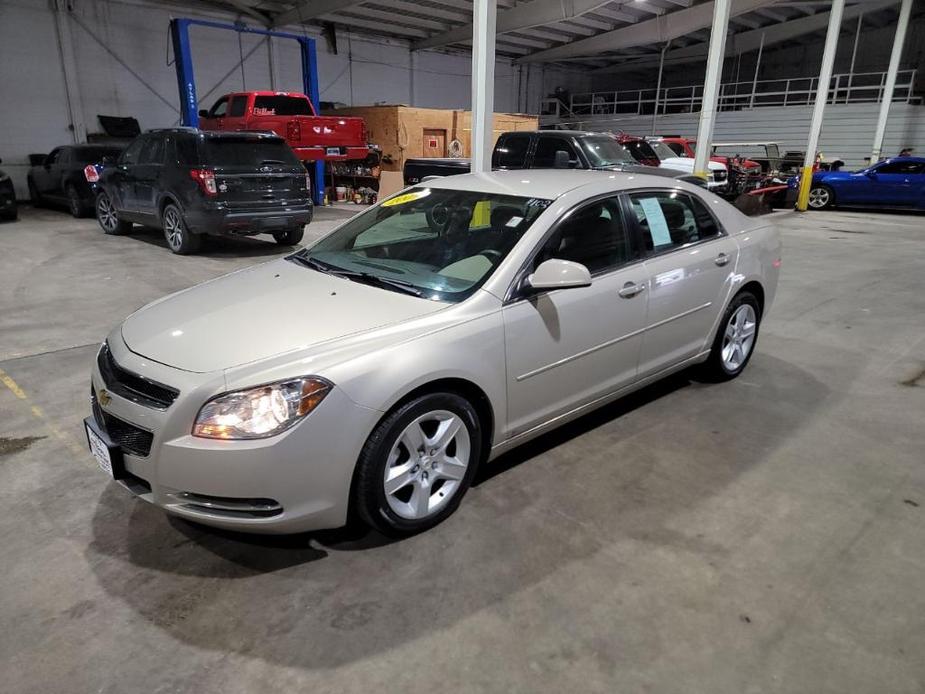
x: 847, y: 130
x: 122, y: 48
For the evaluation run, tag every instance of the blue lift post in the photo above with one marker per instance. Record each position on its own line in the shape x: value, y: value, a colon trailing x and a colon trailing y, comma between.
x: 186, y: 82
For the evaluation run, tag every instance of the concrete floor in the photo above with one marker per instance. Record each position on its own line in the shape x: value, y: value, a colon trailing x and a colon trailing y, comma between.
x: 765, y: 535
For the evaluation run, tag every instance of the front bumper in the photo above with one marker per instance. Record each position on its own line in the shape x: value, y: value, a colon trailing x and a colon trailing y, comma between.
x: 220, y: 220
x: 296, y: 481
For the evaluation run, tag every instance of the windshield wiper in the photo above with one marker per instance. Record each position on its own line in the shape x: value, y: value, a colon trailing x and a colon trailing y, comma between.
x: 364, y: 277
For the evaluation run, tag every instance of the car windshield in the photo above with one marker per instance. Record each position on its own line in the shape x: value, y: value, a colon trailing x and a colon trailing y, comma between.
x: 246, y: 151
x: 603, y: 150
x: 662, y: 151
x: 434, y: 243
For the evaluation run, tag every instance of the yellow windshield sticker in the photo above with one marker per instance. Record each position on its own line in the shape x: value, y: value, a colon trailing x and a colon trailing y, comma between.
x: 407, y: 197
x: 481, y: 215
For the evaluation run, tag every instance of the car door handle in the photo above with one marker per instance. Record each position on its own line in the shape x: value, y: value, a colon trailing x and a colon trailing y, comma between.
x: 631, y: 289
x: 721, y: 259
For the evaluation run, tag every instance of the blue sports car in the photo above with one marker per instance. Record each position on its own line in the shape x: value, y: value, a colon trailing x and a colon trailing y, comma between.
x: 898, y: 182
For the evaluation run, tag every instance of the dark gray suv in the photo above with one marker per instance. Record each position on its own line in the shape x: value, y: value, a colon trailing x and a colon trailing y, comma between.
x: 190, y: 183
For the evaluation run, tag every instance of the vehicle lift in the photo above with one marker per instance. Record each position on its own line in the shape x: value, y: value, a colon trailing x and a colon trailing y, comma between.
x: 186, y: 82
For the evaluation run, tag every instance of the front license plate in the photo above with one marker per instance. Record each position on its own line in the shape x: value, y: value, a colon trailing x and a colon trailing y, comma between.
x: 100, y: 451
x: 333, y: 151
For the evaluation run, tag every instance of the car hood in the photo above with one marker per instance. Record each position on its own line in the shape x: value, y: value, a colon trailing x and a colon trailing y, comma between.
x: 260, y: 312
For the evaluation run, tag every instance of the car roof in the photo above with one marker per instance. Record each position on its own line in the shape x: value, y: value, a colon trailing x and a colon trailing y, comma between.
x: 545, y: 183
x: 914, y: 160
x: 565, y: 133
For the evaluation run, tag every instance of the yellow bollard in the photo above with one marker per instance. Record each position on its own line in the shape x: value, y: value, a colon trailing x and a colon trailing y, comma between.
x: 806, y: 182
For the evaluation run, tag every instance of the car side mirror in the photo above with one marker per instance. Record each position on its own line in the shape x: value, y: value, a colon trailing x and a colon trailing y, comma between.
x: 203, y: 113
x: 558, y: 274
x: 561, y: 160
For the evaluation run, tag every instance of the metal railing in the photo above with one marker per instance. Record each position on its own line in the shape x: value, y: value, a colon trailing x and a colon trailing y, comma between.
x: 845, y: 88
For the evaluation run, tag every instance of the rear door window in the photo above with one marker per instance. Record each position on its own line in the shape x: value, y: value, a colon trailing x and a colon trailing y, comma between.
x: 546, y: 148
x: 672, y: 220
x: 511, y: 152
x: 247, y: 151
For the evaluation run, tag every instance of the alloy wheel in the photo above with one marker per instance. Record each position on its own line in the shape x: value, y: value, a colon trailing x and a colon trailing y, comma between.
x: 173, y: 229
x: 106, y: 213
x: 427, y: 464
x: 739, y: 337
x: 818, y: 198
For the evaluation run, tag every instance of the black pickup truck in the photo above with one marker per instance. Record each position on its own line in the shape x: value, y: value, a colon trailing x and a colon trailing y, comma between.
x: 546, y: 149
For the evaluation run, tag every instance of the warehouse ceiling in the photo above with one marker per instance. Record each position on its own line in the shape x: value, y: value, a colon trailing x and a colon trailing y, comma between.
x: 603, y: 35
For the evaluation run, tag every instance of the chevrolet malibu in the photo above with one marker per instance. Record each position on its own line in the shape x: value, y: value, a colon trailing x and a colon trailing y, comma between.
x: 375, y: 370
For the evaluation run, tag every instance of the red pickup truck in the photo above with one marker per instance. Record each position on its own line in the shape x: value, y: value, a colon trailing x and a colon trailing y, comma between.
x: 291, y: 116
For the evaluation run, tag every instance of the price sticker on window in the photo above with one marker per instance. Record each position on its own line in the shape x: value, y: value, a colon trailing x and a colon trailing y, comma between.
x: 406, y: 198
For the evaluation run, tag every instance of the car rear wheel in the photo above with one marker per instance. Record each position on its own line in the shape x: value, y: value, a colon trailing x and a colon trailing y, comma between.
x: 74, y: 204
x: 108, y: 217
x: 735, y: 340
x: 290, y: 237
x: 418, y: 463
x: 179, y: 238
x: 821, y: 197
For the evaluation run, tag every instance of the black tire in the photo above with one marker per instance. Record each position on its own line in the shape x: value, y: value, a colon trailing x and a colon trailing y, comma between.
x: 290, y: 237
x: 108, y: 217
x: 34, y: 195
x: 824, y: 194
x: 369, y: 489
x: 717, y: 369
x: 10, y: 215
x: 180, y: 239
x: 74, y: 204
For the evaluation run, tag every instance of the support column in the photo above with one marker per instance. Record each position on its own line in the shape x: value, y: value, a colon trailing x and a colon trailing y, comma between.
x: 311, y: 88
x: 898, y: 42
x: 274, y: 64
x: 711, y: 87
x: 658, y: 84
x: 183, y: 62
x: 69, y: 67
x: 484, y: 18
x: 822, y: 95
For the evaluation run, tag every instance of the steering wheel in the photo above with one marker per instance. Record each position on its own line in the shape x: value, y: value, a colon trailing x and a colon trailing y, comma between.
x: 438, y: 218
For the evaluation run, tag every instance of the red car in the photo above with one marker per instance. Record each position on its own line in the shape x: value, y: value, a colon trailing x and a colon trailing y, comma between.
x: 685, y: 148
x: 291, y: 116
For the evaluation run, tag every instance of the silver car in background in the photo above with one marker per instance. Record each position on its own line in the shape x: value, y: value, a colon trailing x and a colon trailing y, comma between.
x: 375, y: 370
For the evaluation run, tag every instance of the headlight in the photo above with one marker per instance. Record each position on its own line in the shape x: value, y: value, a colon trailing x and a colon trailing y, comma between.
x: 257, y: 413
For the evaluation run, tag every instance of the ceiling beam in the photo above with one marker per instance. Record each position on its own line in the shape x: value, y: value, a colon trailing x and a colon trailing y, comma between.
x: 750, y: 40
x: 305, y: 10
x: 529, y: 14
x: 656, y: 30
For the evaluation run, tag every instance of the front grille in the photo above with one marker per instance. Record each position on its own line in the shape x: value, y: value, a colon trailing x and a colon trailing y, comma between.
x: 132, y: 386
x: 134, y: 440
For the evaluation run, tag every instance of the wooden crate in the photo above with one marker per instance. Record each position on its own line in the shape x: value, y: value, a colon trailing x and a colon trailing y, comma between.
x: 400, y: 130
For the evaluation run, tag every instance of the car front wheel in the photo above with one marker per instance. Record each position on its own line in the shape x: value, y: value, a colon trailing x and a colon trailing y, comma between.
x: 418, y: 463
x: 735, y: 340
x: 821, y: 197
x: 108, y: 217
x: 179, y: 238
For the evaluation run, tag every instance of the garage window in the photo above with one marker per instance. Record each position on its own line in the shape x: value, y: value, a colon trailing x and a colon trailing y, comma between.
x: 672, y: 220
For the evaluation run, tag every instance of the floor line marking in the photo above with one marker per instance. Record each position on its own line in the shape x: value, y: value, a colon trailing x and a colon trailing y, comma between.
x: 40, y: 415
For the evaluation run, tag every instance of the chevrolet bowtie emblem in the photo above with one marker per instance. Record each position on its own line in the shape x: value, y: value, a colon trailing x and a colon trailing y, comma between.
x: 104, y: 398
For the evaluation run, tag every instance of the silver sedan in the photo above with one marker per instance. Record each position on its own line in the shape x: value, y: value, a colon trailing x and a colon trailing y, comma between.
x: 374, y: 371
